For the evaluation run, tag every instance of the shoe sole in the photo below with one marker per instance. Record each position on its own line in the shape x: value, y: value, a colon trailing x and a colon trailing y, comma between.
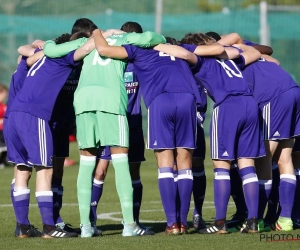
x: 24, y: 236
x: 175, y: 232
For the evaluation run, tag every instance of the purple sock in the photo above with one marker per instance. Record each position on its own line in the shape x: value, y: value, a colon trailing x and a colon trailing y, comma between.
x: 296, y: 206
x: 287, y: 189
x: 45, y: 203
x: 273, y: 201
x: 221, y: 192
x: 265, y: 187
x: 237, y: 192
x: 137, y: 198
x: 251, y: 190
x: 167, y: 191
x: 57, y: 202
x: 21, y: 205
x: 175, y: 172
x: 199, y: 188
x: 97, y: 190
x: 185, y: 188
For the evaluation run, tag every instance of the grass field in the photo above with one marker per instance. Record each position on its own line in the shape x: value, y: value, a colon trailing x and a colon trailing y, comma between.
x: 109, y: 218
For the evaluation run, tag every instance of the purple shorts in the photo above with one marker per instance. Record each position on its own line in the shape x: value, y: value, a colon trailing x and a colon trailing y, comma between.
x: 30, y: 140
x: 234, y: 129
x: 172, y: 121
x: 104, y: 153
x: 281, y: 116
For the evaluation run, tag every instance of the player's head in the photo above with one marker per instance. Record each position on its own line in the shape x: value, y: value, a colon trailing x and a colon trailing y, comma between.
x: 132, y: 27
x: 171, y: 40
x: 213, y: 35
x: 83, y: 25
x: 62, y: 38
x: 197, y: 39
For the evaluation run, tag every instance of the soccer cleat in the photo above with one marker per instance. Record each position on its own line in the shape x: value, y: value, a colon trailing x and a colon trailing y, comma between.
x: 183, y: 228
x: 56, y: 232
x: 66, y: 227
x: 135, y: 230
x: 17, y: 230
x: 250, y: 226
x: 198, y: 222
x: 86, y: 231
x: 236, y: 220
x: 143, y: 227
x: 27, y: 231
x: 283, y: 224
x: 218, y: 227
x: 172, y: 230
x: 296, y: 223
x: 96, y: 231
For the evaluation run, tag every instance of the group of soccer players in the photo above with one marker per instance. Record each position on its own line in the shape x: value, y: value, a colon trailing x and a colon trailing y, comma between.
x: 254, y: 123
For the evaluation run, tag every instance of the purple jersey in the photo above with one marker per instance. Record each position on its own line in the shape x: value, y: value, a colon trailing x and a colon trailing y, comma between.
x: 221, y: 78
x: 159, y: 73
x: 16, y: 83
x: 267, y: 80
x: 42, y: 85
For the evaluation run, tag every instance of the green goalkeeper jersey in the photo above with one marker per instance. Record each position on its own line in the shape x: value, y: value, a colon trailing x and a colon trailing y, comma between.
x: 101, y: 83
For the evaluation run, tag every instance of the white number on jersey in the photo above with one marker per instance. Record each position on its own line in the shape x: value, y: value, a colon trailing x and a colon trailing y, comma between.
x: 164, y: 54
x: 103, y: 60
x: 229, y: 71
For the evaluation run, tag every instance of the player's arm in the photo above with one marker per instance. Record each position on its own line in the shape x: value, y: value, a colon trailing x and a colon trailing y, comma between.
x: 84, y: 50
x: 33, y: 58
x: 263, y: 49
x: 28, y: 49
x: 270, y: 59
x: 53, y: 50
x: 249, y: 53
x: 214, y: 49
x: 104, y: 49
x: 177, y: 51
x: 230, y: 39
x: 145, y: 39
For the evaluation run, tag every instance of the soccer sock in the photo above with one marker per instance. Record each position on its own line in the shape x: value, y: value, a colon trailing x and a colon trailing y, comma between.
x: 12, y: 186
x: 185, y: 188
x: 237, y: 193
x: 273, y: 201
x: 97, y: 190
x: 265, y: 187
x: 287, y: 188
x: 84, y: 187
x: 137, y: 198
x: 199, y: 188
x: 57, y: 190
x: 221, y: 192
x: 177, y: 203
x: 296, y: 206
x: 251, y: 190
x: 45, y: 203
x: 21, y: 205
x: 167, y: 192
x: 123, y: 185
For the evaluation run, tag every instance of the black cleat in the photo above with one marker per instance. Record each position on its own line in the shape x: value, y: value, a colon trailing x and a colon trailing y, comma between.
x: 250, y: 226
x: 27, y: 231
x: 56, y: 232
x: 218, y: 227
x: 198, y: 222
x: 236, y: 220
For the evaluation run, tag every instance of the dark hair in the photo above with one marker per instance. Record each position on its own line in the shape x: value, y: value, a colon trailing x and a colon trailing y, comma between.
x: 83, y: 25
x: 214, y: 35
x: 132, y: 27
x: 62, y: 38
x: 197, y: 39
x: 78, y: 35
x: 171, y: 40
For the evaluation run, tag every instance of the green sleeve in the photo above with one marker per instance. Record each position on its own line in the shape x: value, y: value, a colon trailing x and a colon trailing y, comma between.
x: 51, y: 49
x: 146, y: 39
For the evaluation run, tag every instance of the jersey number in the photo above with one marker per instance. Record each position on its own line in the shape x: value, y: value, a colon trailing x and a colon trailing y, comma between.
x: 103, y: 60
x: 229, y: 71
x: 164, y: 54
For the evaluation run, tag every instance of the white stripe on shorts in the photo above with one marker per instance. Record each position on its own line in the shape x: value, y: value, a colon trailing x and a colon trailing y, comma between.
x: 266, y: 125
x: 42, y: 142
x: 214, y: 135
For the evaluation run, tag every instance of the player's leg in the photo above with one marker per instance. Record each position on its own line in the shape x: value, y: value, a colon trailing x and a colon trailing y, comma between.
x: 296, y: 163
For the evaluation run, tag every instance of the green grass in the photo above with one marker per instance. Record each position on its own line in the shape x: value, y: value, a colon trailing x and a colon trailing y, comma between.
x: 151, y: 213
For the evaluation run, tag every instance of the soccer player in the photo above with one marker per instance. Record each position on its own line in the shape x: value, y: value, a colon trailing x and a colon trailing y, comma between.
x: 234, y: 105
x: 178, y: 92
x: 62, y: 119
x: 100, y: 103
x: 30, y: 137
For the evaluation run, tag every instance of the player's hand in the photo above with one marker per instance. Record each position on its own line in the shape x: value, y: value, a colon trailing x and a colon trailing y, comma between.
x: 38, y: 44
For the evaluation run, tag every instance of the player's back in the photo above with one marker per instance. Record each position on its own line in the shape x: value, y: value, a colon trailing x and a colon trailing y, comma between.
x: 267, y: 80
x: 159, y: 72
x: 42, y: 85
